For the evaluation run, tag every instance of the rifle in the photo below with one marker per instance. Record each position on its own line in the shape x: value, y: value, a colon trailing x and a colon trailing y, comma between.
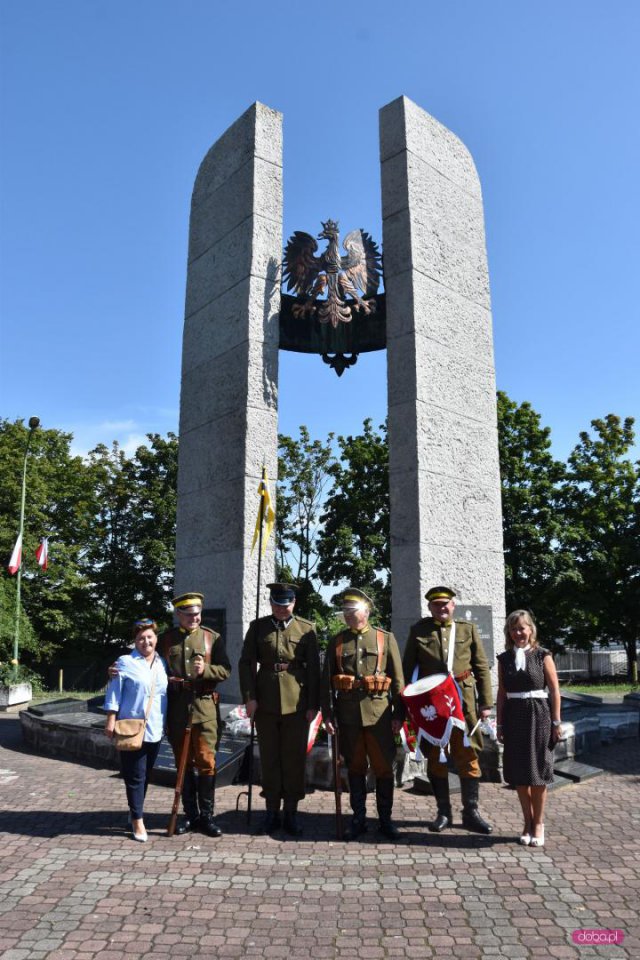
x: 337, y: 779
x: 182, y: 769
x: 250, y: 771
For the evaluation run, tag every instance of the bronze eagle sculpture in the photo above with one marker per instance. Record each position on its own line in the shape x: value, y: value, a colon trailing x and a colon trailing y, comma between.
x: 311, y: 277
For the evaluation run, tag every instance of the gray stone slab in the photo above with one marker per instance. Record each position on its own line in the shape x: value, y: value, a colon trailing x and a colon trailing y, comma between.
x: 62, y: 706
x: 576, y: 771
x: 568, y: 698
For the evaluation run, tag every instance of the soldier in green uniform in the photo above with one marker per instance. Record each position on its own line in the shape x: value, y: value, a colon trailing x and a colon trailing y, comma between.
x: 361, y: 694
x: 279, y: 673
x: 429, y: 649
x: 197, y: 662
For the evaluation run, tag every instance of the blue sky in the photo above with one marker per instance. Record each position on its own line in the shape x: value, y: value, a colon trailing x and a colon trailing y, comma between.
x: 108, y: 107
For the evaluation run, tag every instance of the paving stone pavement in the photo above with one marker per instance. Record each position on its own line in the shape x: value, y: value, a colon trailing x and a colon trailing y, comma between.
x: 74, y: 886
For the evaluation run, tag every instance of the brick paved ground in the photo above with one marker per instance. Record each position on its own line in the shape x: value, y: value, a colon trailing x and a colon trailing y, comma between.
x: 73, y: 886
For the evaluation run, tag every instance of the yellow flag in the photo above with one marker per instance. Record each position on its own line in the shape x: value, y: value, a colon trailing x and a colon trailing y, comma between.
x: 267, y: 513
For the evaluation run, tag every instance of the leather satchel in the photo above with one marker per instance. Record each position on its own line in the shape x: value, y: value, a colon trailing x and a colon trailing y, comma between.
x: 129, y: 734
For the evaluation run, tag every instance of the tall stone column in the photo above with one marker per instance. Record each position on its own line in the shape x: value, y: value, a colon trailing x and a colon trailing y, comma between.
x: 228, y: 404
x: 446, y: 522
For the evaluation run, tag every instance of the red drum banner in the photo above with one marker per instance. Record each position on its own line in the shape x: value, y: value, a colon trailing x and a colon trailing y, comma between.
x: 434, y: 706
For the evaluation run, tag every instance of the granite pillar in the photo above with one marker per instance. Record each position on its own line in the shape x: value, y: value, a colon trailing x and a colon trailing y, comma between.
x: 446, y: 524
x: 228, y: 403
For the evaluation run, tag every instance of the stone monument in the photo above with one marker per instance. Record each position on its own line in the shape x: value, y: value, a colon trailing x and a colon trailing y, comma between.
x: 435, y: 320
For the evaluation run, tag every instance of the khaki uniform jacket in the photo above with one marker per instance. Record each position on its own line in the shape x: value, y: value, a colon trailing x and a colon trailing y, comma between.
x: 428, y: 647
x: 286, y: 691
x: 357, y: 708
x: 179, y: 648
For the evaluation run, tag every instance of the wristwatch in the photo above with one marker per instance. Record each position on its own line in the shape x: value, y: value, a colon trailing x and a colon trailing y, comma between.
x: 557, y: 723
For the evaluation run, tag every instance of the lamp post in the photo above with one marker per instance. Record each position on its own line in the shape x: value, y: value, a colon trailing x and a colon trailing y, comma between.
x: 34, y: 423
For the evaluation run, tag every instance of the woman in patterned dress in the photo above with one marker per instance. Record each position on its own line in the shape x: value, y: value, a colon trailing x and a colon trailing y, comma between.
x: 528, y: 720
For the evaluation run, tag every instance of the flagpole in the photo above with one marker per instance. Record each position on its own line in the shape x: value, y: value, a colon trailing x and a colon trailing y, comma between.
x: 255, y: 666
x: 34, y: 423
x: 260, y: 521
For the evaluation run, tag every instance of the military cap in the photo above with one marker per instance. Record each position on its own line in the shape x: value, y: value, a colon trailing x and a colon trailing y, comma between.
x: 282, y: 594
x: 440, y: 593
x: 190, y: 599
x: 354, y: 595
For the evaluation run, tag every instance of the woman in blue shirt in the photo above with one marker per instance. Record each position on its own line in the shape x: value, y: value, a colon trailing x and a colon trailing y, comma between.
x: 141, y: 678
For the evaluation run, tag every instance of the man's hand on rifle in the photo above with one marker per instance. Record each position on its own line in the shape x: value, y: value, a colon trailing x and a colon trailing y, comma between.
x: 329, y: 727
x: 252, y: 706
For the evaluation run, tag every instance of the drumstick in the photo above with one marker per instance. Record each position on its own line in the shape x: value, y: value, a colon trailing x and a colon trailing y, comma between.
x: 475, y: 728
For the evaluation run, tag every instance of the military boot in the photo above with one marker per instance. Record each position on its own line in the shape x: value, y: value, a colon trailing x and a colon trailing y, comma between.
x: 271, y: 821
x: 206, y: 795
x: 444, y: 817
x: 384, y: 802
x: 191, y: 819
x: 471, y: 819
x: 358, y: 799
x: 290, y: 819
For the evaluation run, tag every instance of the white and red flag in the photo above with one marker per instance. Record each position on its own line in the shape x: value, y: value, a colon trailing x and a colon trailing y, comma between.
x: 42, y: 553
x: 16, y: 557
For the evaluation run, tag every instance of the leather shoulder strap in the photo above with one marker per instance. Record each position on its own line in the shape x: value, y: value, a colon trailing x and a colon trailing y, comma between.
x: 380, y: 645
x: 208, y: 645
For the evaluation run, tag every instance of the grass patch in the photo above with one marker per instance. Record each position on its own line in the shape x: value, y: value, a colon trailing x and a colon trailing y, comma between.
x: 597, y: 689
x: 47, y: 695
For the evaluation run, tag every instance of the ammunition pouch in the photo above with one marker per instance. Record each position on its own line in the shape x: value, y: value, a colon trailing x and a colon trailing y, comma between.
x: 375, y: 683
x: 344, y: 682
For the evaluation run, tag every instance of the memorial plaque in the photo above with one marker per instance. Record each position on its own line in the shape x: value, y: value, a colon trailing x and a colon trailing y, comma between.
x: 482, y: 617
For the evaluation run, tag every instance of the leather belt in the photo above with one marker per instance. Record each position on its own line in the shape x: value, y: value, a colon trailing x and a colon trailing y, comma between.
x: 463, y: 676
x: 281, y: 667
x: 200, y: 687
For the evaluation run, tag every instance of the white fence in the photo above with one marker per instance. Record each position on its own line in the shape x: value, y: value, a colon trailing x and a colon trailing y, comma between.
x: 598, y: 663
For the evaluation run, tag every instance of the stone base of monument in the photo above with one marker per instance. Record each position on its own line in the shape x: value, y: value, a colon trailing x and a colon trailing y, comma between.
x: 14, y: 694
x: 71, y: 728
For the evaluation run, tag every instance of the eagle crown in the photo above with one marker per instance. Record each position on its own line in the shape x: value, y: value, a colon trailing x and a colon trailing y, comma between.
x: 330, y: 230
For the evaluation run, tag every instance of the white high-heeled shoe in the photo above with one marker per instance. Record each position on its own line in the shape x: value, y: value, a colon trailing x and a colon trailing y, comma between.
x: 140, y: 837
x: 538, y: 841
x: 525, y: 839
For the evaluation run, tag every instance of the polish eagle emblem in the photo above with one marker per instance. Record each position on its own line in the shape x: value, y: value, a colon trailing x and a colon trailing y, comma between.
x: 324, y: 282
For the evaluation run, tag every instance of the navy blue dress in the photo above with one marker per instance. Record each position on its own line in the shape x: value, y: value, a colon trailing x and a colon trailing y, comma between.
x: 526, y: 723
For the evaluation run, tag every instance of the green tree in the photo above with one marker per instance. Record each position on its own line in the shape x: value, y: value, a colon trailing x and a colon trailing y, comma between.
x: 303, y: 477
x: 130, y: 553
x: 535, y: 564
x: 601, y: 496
x: 354, y: 542
x: 155, y: 481
x: 60, y: 504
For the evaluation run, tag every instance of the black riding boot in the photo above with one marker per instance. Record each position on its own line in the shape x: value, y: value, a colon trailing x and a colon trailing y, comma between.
x: 358, y: 799
x: 271, y: 821
x: 384, y: 802
x: 206, y: 794
x: 290, y: 820
x: 191, y: 819
x: 471, y: 819
x: 444, y: 817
